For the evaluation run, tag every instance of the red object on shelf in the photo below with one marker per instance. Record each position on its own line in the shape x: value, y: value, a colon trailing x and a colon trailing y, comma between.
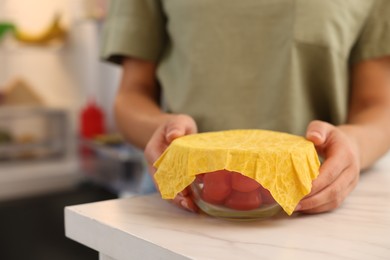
x: 92, y: 121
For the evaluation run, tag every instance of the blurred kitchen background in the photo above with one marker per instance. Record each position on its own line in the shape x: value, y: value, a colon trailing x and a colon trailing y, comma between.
x: 58, y: 141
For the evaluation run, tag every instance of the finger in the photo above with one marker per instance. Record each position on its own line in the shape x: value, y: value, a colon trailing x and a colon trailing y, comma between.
x: 332, y: 195
x: 177, y: 126
x: 330, y: 170
x: 174, y: 133
x: 318, y: 132
x: 185, y: 192
x: 155, y: 146
x: 182, y: 125
x: 330, y: 205
x: 338, y: 158
x: 185, y: 203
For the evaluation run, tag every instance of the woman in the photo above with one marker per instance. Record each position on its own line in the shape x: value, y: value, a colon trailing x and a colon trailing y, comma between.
x: 314, y: 68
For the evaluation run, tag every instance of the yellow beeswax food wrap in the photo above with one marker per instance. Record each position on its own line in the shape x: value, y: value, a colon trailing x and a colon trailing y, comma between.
x: 284, y: 164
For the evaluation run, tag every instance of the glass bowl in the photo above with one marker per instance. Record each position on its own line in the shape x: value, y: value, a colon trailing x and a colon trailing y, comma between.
x: 233, y: 196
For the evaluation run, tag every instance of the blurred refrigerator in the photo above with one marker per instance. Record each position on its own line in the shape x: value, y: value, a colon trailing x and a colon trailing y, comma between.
x: 40, y: 146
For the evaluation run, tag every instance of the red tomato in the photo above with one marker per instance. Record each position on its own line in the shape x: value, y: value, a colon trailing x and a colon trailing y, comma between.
x: 266, y: 196
x: 216, y: 186
x: 243, y: 183
x: 199, y: 178
x: 244, y: 200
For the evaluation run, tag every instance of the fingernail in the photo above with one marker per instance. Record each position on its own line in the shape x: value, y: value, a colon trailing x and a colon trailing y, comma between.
x: 298, y: 207
x: 316, y: 134
x: 168, y: 135
x: 171, y: 132
x: 172, y: 135
x: 184, y: 204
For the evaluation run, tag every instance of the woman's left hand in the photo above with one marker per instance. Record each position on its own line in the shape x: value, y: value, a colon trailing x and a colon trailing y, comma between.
x: 339, y: 173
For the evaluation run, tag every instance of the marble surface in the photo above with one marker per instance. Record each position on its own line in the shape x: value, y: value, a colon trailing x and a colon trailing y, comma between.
x: 147, y: 227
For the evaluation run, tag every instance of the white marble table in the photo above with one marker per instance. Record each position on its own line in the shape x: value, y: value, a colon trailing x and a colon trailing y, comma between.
x: 148, y: 228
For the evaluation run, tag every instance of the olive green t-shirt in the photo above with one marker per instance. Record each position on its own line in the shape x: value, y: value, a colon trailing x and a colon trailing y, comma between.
x: 269, y: 64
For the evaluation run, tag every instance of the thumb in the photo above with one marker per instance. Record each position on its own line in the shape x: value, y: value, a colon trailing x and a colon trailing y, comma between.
x: 173, y: 132
x: 180, y: 126
x: 318, y: 132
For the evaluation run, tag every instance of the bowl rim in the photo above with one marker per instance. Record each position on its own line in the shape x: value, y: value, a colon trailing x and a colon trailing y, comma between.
x: 263, y: 212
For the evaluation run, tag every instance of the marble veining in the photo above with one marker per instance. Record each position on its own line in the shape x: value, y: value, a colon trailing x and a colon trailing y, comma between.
x: 147, y: 226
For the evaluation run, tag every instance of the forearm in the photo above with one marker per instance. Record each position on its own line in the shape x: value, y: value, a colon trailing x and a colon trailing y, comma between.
x: 137, y: 110
x: 369, y: 115
x: 137, y: 117
x: 371, y: 131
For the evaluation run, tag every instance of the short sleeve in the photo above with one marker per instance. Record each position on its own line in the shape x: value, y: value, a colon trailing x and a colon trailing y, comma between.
x: 374, y: 40
x: 133, y: 28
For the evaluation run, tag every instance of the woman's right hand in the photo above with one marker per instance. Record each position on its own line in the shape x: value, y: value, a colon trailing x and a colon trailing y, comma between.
x: 173, y: 127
